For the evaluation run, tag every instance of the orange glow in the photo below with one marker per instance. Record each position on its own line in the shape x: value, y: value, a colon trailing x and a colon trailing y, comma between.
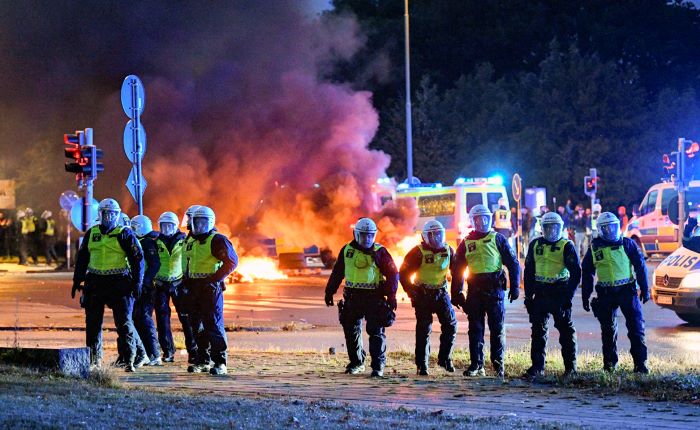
x: 252, y: 268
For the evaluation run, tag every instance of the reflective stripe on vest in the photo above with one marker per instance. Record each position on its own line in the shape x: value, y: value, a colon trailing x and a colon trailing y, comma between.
x: 28, y: 225
x: 433, y: 270
x: 170, y: 262
x: 501, y: 219
x: 549, y: 261
x: 361, y: 271
x: 198, y: 261
x: 612, y: 265
x: 106, y: 254
x: 50, y: 231
x: 482, y: 255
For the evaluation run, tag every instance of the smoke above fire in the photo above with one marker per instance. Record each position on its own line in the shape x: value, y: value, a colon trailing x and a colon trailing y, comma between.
x: 240, y: 114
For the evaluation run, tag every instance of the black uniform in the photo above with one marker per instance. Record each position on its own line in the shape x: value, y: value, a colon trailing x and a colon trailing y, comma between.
x: 368, y: 304
x: 485, y: 297
x: 609, y: 299
x: 115, y: 291
x: 427, y: 302
x: 143, y: 307
x: 545, y: 299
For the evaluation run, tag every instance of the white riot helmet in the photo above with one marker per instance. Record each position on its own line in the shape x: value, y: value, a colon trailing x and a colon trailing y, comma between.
x: 21, y: 214
x: 480, y: 217
x: 608, y: 227
x: 142, y: 225
x: 365, y: 230
x: 206, y: 213
x: 29, y: 211
x: 433, y: 234
x: 46, y: 215
x: 124, y: 220
x: 552, y: 226
x: 187, y: 219
x: 596, y: 208
x: 167, y: 222
x: 109, y: 212
x: 502, y: 202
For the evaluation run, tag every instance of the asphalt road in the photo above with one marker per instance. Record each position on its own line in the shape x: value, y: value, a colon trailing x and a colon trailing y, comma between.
x: 43, y: 300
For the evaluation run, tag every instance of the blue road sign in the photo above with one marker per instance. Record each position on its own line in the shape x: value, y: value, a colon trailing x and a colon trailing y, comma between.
x: 133, y: 184
x: 130, y: 145
x: 76, y: 214
x: 133, y: 96
x: 67, y: 199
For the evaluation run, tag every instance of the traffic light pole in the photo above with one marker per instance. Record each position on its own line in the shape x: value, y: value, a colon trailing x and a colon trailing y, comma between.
x: 681, y: 188
x: 87, y: 182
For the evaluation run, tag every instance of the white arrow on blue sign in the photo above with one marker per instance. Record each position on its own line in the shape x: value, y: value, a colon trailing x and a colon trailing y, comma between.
x: 133, y: 96
x: 130, y: 146
x: 133, y: 184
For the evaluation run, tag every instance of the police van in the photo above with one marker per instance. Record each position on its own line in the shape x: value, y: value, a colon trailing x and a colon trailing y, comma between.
x: 450, y: 205
x: 651, y: 228
x: 677, y: 284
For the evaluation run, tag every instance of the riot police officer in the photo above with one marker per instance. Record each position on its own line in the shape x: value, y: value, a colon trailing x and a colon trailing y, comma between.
x: 110, y: 263
x: 430, y: 262
x: 143, y: 306
x: 484, y: 252
x: 207, y: 261
x: 371, y: 282
x: 552, y: 274
x: 619, y: 267
x: 169, y: 286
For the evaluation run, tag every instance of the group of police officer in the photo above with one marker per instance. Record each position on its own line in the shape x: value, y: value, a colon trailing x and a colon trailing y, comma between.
x: 135, y: 271
x: 551, y: 276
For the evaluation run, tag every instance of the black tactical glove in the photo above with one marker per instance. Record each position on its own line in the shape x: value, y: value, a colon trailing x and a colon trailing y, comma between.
x: 458, y: 300
x: 644, y: 297
x: 393, y: 304
x: 513, y: 294
x: 76, y: 287
x: 586, y: 304
x: 329, y: 299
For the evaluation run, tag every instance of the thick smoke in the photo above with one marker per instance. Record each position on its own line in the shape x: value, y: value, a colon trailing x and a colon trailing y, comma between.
x: 239, y: 115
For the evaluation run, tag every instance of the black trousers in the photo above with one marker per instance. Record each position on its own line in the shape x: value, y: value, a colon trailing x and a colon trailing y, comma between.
x: 428, y: 302
x: 558, y: 306
x: 367, y: 305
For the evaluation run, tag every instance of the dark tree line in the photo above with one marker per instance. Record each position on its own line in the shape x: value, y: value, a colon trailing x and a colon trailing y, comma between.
x: 540, y: 87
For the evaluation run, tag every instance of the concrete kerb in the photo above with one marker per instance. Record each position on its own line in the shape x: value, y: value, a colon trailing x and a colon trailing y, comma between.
x: 68, y: 361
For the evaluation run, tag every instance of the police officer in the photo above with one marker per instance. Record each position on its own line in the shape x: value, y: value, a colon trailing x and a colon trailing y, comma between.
x: 168, y: 284
x: 501, y: 219
x: 430, y: 262
x: 49, y: 237
x: 370, y: 276
x: 207, y: 261
x: 110, y: 263
x: 484, y: 252
x: 552, y: 274
x: 143, y: 307
x: 619, y: 267
x: 27, y: 242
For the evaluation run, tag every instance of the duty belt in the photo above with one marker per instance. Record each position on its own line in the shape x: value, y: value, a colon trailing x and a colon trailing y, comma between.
x: 168, y: 278
x: 121, y: 271
x: 547, y: 280
x: 361, y: 285
x: 615, y: 283
x: 198, y: 275
x: 432, y: 286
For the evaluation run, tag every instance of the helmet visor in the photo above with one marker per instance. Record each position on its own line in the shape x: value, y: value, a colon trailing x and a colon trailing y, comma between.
x: 108, y: 218
x: 551, y: 232
x: 482, y: 223
x: 167, y: 228
x: 200, y: 225
x: 610, y: 232
x: 365, y: 239
x: 436, y: 239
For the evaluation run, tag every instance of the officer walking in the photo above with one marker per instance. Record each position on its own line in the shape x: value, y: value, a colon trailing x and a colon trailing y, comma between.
x: 143, y: 306
x: 168, y: 285
x: 110, y: 264
x: 430, y: 262
x: 27, y: 242
x: 552, y: 274
x: 484, y: 252
x: 49, y: 237
x: 370, y: 276
x: 208, y: 259
x: 619, y: 267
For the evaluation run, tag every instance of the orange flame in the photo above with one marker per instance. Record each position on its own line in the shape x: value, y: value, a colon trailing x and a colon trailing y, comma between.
x: 252, y: 268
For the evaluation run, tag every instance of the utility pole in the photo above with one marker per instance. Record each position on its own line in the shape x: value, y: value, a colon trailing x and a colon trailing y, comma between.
x: 409, y: 132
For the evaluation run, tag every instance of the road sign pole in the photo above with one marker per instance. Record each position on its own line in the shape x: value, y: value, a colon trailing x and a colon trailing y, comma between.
x: 681, y: 189
x: 137, y: 143
x: 133, y: 100
x: 68, y: 229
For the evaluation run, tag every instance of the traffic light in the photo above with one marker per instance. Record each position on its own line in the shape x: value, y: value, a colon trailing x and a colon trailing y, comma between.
x: 92, y: 155
x: 73, y: 144
x: 691, y: 148
x: 590, y: 185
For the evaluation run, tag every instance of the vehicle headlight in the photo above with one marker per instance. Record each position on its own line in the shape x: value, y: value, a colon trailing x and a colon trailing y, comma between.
x: 691, y: 280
